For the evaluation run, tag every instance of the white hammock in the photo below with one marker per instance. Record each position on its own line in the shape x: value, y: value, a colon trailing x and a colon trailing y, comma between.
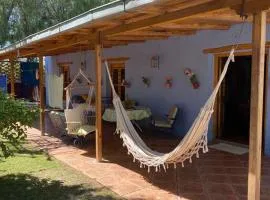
x: 194, y: 140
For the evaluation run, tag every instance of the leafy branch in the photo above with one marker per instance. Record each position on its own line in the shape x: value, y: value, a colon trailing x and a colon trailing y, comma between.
x: 15, y: 118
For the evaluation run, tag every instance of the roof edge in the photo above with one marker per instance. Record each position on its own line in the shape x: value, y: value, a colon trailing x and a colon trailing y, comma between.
x: 98, y: 13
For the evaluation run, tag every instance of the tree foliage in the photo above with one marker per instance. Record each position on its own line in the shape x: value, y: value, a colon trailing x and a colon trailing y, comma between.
x: 20, y: 18
x: 15, y: 117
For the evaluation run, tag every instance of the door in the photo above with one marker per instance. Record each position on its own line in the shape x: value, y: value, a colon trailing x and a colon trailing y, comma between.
x: 118, y: 75
x: 235, y: 106
x: 234, y: 103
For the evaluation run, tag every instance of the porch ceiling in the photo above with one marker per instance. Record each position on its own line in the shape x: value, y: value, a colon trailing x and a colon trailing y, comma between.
x: 137, y: 21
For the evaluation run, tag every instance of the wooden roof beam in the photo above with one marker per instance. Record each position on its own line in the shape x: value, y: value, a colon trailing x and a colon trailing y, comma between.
x: 51, y: 47
x: 77, y: 47
x: 241, y: 47
x: 192, y: 26
x: 148, y: 33
x: 116, y: 40
x: 216, y: 20
x: 166, y: 32
x: 253, y: 7
x: 146, y: 16
x: 177, y: 5
x: 175, y: 16
x: 136, y: 38
x: 75, y: 40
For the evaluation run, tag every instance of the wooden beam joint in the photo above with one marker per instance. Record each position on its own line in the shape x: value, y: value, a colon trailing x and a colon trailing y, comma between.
x: 251, y: 7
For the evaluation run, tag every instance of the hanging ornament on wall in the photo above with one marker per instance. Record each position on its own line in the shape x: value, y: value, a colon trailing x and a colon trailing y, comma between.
x: 168, y: 82
x: 155, y: 61
x: 192, y: 77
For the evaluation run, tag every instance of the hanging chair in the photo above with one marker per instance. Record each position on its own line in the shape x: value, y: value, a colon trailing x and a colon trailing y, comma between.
x: 80, y: 119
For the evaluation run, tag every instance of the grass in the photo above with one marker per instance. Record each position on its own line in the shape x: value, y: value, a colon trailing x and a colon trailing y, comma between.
x: 33, y: 175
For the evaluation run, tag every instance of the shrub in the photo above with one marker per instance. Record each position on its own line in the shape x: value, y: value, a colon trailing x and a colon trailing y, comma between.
x: 15, y: 118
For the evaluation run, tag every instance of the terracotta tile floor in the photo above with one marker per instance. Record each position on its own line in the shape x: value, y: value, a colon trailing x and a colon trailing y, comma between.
x: 214, y: 176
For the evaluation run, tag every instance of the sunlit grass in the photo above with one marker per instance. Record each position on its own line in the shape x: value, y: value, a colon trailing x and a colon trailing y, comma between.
x: 31, y: 174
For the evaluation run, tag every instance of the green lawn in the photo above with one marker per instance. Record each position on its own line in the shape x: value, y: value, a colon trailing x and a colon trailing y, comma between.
x: 33, y: 175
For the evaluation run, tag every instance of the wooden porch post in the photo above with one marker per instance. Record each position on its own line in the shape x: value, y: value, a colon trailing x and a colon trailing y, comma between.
x: 12, y: 77
x: 256, y: 107
x: 98, y: 98
x: 41, y: 96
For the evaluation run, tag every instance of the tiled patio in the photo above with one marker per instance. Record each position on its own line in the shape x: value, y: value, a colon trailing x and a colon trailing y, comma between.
x: 214, y: 176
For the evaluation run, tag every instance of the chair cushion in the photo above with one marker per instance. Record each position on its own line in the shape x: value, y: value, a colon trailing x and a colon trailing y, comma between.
x: 84, y: 130
x: 172, y: 114
x: 162, y: 124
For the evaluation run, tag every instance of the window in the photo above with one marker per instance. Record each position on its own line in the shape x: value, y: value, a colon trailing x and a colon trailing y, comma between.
x: 118, y: 75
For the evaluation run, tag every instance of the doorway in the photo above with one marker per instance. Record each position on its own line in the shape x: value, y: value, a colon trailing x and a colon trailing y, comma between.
x: 234, y: 100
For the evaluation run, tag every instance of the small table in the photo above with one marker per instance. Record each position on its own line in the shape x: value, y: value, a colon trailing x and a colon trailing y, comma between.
x: 136, y: 114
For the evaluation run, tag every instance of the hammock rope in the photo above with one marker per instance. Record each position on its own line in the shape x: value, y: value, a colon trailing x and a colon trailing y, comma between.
x: 194, y: 141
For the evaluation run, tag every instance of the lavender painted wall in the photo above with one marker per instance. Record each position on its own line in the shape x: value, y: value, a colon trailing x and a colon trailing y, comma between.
x: 176, y: 54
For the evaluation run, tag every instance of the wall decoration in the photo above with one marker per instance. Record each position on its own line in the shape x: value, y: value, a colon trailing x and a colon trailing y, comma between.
x: 192, y: 77
x: 126, y: 83
x: 168, y: 82
x: 155, y: 61
x: 146, y: 81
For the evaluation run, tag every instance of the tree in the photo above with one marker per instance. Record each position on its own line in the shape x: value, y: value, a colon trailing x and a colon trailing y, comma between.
x: 6, y: 8
x: 15, y: 118
x: 20, y: 18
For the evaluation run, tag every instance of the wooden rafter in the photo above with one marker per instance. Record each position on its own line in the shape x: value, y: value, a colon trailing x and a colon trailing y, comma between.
x: 174, y: 16
x: 193, y: 26
x: 227, y: 48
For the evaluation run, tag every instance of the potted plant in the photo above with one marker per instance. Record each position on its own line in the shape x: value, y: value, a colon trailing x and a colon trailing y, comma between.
x: 146, y: 81
x: 192, y: 77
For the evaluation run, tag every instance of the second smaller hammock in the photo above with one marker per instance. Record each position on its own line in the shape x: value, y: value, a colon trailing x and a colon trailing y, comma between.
x: 80, y: 119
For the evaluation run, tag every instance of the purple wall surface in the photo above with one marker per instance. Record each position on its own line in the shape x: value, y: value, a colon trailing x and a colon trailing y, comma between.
x: 176, y: 54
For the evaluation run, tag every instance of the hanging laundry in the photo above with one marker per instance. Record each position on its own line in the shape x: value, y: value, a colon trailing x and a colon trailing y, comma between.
x: 55, y: 89
x: 28, y: 73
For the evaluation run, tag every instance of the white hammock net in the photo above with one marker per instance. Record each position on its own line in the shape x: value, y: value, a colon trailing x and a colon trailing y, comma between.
x: 71, y: 86
x: 194, y: 141
x: 80, y: 119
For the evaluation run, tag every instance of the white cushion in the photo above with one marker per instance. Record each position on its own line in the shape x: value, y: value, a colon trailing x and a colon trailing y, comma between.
x: 84, y: 130
x: 162, y: 124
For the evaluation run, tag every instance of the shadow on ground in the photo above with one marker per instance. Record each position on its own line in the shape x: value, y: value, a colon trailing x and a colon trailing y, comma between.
x: 27, y: 187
